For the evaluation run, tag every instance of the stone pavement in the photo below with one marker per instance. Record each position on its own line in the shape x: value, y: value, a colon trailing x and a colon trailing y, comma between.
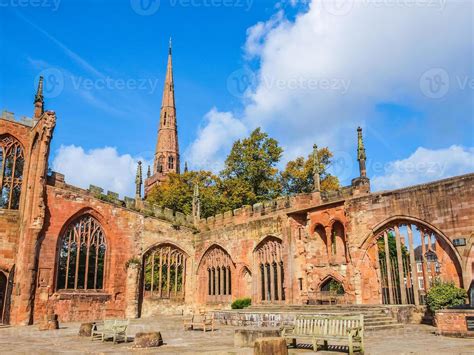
x: 412, y: 339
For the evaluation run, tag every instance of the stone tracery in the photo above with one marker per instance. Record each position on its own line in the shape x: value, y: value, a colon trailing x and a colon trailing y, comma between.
x: 269, y: 259
x: 11, y: 173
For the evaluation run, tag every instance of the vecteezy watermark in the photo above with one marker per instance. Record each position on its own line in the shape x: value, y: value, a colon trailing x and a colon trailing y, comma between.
x: 52, y: 4
x: 150, y: 7
x: 436, y: 83
x: 109, y: 83
x: 344, y: 7
x: 145, y: 7
x: 241, y: 82
x: 53, y: 82
x: 242, y: 4
x: 303, y: 83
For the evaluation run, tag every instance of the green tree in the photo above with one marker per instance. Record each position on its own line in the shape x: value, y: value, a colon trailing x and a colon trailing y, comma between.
x: 445, y: 294
x: 177, y: 193
x: 251, y: 166
x: 298, y: 175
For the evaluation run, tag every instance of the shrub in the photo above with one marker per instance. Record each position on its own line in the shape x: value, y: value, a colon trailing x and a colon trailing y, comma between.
x: 445, y: 294
x: 241, y: 303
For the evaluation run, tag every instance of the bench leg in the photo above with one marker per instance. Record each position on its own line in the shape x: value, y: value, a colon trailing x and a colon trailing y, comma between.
x: 326, y: 346
x: 293, y: 343
x: 315, y: 344
x: 351, y: 346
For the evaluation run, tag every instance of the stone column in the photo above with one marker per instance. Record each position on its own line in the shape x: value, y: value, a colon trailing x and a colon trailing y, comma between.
x: 401, y: 279
x: 132, y: 290
x: 389, y: 267
x: 414, y: 270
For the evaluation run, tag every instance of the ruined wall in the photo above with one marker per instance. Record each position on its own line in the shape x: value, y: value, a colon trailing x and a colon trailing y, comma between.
x: 446, y: 207
x: 129, y: 234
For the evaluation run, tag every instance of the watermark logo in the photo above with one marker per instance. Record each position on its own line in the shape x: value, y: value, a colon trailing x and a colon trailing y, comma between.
x: 53, y: 82
x: 145, y: 7
x: 337, y: 7
x: 107, y: 83
x: 51, y: 4
x: 435, y: 83
x: 240, y: 82
x: 344, y: 7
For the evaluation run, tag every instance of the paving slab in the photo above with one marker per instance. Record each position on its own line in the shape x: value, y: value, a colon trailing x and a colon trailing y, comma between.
x: 411, y: 339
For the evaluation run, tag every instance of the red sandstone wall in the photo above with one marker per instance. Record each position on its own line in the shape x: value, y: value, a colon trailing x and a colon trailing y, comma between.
x: 122, y: 230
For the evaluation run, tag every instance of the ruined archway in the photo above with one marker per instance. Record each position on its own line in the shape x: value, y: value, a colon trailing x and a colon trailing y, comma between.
x: 216, y: 272
x: 164, y: 271
x: 406, y: 256
x: 270, y: 273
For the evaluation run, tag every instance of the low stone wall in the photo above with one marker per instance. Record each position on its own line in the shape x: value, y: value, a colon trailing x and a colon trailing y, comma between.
x: 453, y: 322
x: 276, y: 318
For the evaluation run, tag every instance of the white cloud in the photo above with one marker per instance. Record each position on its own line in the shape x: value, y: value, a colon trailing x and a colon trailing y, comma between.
x: 425, y: 165
x: 323, y: 74
x: 103, y: 167
x: 213, y: 140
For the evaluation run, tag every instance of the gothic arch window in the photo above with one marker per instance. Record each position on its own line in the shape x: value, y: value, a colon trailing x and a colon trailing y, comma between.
x: 218, y: 267
x: 170, y: 163
x: 12, y: 162
x: 269, y: 258
x: 82, y: 252
x: 164, y: 272
x: 161, y: 161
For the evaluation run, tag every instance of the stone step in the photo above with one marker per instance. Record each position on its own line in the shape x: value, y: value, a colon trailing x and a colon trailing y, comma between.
x: 384, y: 327
x: 386, y: 322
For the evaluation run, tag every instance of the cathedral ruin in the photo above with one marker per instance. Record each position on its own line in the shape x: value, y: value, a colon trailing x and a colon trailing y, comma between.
x: 86, y: 255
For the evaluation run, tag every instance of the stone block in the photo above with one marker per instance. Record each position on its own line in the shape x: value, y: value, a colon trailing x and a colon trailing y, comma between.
x: 180, y: 217
x: 270, y: 346
x: 129, y: 202
x: 168, y: 213
x: 148, y: 340
x: 246, y: 337
x: 85, y: 329
x: 96, y: 190
x: 113, y: 195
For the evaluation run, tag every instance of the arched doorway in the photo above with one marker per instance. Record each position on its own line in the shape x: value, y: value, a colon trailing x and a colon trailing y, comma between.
x: 409, y: 257
x: 3, y: 295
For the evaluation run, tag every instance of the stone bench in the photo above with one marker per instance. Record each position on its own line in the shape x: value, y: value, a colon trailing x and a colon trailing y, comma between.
x: 245, y: 337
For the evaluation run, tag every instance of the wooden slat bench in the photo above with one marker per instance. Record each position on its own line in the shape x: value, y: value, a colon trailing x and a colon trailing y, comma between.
x: 110, y: 328
x: 327, y: 328
x: 204, y: 321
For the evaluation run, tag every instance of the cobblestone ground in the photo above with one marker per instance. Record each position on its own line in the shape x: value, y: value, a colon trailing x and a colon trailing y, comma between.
x: 413, y: 339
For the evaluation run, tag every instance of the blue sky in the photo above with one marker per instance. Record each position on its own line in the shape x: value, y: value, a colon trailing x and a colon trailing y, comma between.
x: 312, y: 72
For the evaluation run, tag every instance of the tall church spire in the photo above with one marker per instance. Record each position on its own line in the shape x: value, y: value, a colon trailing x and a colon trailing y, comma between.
x: 167, y: 148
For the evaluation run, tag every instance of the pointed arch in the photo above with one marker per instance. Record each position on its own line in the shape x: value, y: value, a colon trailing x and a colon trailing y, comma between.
x: 216, y: 269
x: 409, y: 254
x: 164, y: 271
x: 81, y: 255
x: 269, y: 266
x: 12, y: 162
